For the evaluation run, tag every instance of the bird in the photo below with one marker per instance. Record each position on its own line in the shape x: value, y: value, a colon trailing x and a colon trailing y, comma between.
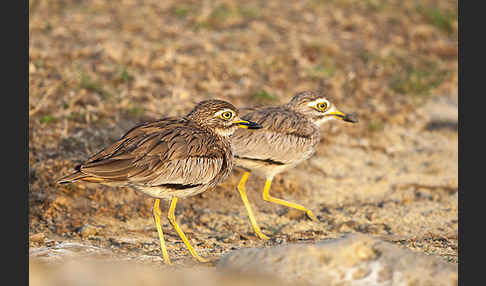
x: 169, y: 158
x: 290, y: 135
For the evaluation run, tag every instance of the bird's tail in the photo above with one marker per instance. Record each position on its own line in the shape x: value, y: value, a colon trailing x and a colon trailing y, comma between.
x: 71, y: 178
x: 79, y: 176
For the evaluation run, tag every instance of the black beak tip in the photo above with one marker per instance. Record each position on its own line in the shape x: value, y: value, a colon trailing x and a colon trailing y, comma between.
x: 253, y: 125
x: 351, y: 117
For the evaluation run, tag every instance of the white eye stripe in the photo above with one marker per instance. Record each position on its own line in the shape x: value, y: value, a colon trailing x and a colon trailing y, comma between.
x: 321, y: 105
x: 219, y: 113
x: 320, y: 100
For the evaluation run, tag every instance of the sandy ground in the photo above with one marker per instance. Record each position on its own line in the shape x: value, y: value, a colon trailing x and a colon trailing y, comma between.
x: 403, y: 188
x: 97, y: 69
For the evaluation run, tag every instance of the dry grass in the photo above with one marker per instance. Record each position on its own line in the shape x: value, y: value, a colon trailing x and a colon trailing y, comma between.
x: 97, y: 67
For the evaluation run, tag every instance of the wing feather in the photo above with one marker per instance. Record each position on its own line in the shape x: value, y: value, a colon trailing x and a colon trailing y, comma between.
x: 167, y: 151
x: 284, y: 138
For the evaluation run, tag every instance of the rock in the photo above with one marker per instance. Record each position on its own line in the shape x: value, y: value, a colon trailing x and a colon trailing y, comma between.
x: 295, y: 214
x: 38, y: 237
x: 61, y: 251
x: 351, y: 260
x: 88, y: 230
x: 116, y: 273
x: 441, y: 112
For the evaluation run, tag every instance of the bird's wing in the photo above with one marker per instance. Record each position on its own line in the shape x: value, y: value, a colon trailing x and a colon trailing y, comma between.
x: 283, y: 138
x: 167, y: 151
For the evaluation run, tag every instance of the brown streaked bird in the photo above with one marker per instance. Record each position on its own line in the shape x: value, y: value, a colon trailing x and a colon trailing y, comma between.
x: 169, y: 159
x: 290, y: 135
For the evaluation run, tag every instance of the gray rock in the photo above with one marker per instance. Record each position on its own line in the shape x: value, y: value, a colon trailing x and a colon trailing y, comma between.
x: 95, y: 272
x: 351, y: 260
x: 88, y: 230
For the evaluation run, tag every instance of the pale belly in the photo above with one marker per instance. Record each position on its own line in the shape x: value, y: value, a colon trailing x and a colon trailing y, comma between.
x: 168, y: 194
x: 269, y: 169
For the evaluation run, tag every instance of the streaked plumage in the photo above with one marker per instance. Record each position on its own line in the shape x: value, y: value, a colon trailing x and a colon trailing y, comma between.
x: 170, y: 158
x: 290, y: 135
x: 286, y: 140
x: 165, y: 158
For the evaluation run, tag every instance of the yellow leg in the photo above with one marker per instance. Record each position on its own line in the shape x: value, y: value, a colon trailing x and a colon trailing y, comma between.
x: 180, y: 232
x: 157, y: 213
x: 268, y: 198
x: 241, y: 188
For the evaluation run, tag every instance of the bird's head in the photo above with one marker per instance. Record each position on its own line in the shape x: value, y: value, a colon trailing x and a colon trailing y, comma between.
x: 220, y: 116
x: 317, y: 108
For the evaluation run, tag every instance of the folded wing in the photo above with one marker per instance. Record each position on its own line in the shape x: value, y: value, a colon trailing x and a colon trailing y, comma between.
x: 165, y: 152
x: 283, y: 138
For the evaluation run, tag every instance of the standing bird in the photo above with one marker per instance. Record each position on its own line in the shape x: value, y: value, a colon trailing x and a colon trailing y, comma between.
x: 290, y: 135
x: 169, y: 158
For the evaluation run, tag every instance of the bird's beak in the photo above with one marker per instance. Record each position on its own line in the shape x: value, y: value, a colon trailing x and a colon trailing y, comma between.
x: 247, y: 124
x: 349, y: 117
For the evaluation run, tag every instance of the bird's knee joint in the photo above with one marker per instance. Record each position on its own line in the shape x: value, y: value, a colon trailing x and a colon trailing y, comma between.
x: 171, y: 218
x: 156, y: 212
x: 241, y: 188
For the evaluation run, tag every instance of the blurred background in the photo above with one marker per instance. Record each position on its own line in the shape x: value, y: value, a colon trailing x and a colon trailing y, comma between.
x: 96, y: 68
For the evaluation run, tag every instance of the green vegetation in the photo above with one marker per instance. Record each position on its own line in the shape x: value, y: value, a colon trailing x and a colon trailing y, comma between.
x: 123, y: 75
x: 47, y: 26
x: 418, y: 79
x: 136, y: 111
x: 220, y: 13
x: 93, y: 85
x: 376, y: 125
x: 365, y: 56
x: 262, y: 94
x: 375, y: 5
x: 321, y: 71
x: 249, y: 12
x: 180, y: 11
x: 443, y: 20
x: 87, y: 83
x: 47, y: 119
x: 76, y: 116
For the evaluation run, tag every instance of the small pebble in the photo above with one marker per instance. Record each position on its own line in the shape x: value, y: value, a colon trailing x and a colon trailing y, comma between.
x: 38, y: 237
x: 87, y: 230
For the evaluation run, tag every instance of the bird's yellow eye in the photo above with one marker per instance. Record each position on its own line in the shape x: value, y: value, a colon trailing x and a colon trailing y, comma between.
x: 321, y: 106
x: 227, y: 115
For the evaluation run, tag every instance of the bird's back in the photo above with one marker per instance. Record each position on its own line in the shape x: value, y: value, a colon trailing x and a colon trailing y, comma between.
x: 285, y: 140
x: 161, y: 158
